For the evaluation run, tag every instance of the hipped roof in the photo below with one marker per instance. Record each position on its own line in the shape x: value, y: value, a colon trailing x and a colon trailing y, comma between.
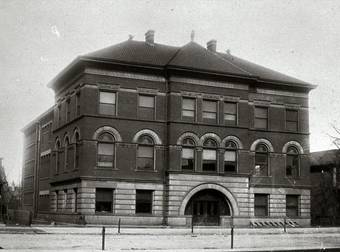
x: 191, y: 57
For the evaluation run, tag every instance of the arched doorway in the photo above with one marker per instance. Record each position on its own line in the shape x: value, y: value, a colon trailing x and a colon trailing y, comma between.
x: 206, y: 207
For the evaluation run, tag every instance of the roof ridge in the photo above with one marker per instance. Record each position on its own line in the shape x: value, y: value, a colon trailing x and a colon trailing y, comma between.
x: 175, y: 54
x: 217, y: 54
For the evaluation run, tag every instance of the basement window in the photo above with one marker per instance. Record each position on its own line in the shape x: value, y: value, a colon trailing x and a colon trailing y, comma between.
x: 144, y: 201
x: 104, y: 200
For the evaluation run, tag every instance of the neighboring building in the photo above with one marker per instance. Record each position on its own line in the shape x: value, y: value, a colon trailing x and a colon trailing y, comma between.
x: 156, y: 134
x: 325, y: 194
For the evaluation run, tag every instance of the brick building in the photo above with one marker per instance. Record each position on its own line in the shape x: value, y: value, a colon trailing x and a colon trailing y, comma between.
x: 157, y: 134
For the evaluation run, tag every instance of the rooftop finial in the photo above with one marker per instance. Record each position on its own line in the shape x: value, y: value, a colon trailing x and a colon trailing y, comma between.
x: 192, y: 35
x: 228, y: 51
x: 131, y: 37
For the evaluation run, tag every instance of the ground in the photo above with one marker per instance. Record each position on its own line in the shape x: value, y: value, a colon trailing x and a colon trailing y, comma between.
x: 57, y: 238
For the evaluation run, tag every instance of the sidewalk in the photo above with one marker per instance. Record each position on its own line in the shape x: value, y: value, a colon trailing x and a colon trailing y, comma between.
x: 89, y: 238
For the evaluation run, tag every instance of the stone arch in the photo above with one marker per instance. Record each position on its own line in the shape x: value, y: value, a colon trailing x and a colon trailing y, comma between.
x: 66, y: 138
x: 212, y: 136
x: 234, y: 139
x: 108, y: 129
x: 57, y: 143
x: 189, y: 135
x: 151, y: 133
x: 223, y: 190
x: 264, y: 141
x: 75, y: 132
x: 295, y: 144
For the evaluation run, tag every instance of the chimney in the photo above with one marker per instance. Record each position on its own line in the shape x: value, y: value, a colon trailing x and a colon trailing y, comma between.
x: 211, y: 45
x: 150, y: 37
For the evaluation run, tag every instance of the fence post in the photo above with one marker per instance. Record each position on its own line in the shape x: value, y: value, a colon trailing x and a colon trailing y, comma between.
x: 103, y: 238
x: 192, y: 224
x: 232, y: 233
x: 119, y: 226
x: 284, y: 225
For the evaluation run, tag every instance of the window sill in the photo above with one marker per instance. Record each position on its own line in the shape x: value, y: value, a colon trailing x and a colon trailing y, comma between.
x: 106, y: 168
x: 141, y: 170
x: 144, y: 214
x: 104, y: 213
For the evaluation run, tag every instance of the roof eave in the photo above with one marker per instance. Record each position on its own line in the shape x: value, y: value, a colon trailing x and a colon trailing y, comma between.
x: 52, y: 83
x: 36, y: 120
x: 288, y: 84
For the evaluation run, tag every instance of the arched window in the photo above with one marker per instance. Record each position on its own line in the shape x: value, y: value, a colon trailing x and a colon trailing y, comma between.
x: 209, y: 155
x: 230, y: 157
x: 67, y: 154
x: 188, y: 154
x: 105, y: 151
x: 261, y: 160
x: 145, y: 153
x: 292, y: 162
x: 76, y: 150
x: 57, y: 157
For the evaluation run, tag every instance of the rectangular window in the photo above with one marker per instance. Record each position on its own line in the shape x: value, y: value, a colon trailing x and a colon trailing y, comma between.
x: 209, y: 160
x: 145, y: 157
x: 188, y: 159
x: 68, y: 111
x: 230, y: 113
x: 146, y: 107
x: 75, y: 190
x: 104, y: 200
x: 209, y: 110
x: 144, y: 201
x: 105, y: 155
x: 189, y: 107
x: 107, y: 103
x: 291, y: 120
x: 59, y: 114
x: 230, y: 161
x: 261, y: 164
x: 292, y: 205
x: 77, y: 104
x: 261, y: 118
x: 261, y: 204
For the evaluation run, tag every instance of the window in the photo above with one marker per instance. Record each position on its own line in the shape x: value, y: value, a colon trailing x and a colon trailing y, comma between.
x: 105, y: 151
x: 230, y: 113
x: 76, y: 151
x: 209, y: 155
x: 261, y: 204
x: 146, y: 107
x: 292, y: 205
x: 188, y: 107
x: 291, y: 120
x: 261, y: 118
x: 209, y: 110
x: 145, y: 153
x: 59, y: 114
x: 75, y: 208
x: 144, y: 201
x: 78, y: 103
x: 107, y: 103
x: 292, y: 162
x: 261, y: 160
x: 104, y: 199
x: 68, y: 155
x: 57, y: 157
x: 68, y: 111
x: 188, y: 154
x: 230, y: 157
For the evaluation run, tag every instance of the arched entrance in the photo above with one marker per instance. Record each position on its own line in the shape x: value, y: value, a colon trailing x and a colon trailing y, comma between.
x: 206, y: 206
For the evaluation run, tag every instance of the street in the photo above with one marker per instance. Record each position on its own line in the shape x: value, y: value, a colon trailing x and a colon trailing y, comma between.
x: 167, y: 239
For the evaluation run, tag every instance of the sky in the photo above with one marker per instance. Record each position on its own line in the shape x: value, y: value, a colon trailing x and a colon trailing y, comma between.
x: 39, y: 38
